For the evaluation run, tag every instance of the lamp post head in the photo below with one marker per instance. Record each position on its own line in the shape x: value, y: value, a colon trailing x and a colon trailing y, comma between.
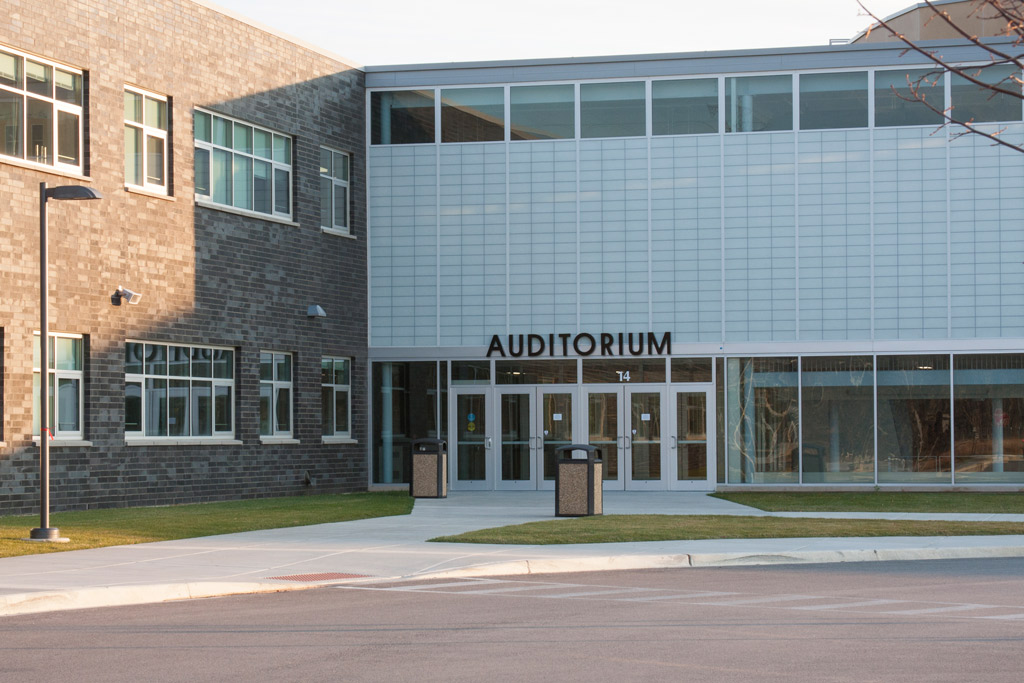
x: 72, y: 192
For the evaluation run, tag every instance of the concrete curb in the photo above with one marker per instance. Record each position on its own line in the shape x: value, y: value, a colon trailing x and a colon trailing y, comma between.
x: 123, y: 596
x: 618, y: 562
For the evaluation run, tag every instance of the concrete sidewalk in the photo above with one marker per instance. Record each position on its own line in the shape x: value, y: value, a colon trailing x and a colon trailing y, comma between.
x: 390, y: 548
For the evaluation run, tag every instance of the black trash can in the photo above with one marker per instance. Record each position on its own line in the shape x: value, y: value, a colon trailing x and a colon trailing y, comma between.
x: 429, y: 469
x: 578, y: 482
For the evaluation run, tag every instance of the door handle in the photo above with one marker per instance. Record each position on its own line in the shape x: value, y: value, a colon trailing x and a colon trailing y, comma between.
x: 619, y: 438
x: 628, y: 445
x: 675, y: 442
x: 487, y: 442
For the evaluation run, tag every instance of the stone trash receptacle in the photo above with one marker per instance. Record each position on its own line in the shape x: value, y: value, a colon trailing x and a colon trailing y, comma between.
x: 429, y: 469
x: 578, y: 481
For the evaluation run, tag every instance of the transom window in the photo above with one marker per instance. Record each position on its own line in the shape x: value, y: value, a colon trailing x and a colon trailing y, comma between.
x: 242, y: 166
x: 178, y: 391
x: 40, y: 111
x: 334, y: 179
x: 335, y: 390
x: 145, y: 139
x: 66, y: 378
x: 275, y: 394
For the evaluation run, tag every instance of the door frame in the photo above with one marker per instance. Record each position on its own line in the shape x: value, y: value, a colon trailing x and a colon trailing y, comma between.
x: 710, y: 481
x: 513, y: 484
x: 660, y: 484
x: 487, y: 483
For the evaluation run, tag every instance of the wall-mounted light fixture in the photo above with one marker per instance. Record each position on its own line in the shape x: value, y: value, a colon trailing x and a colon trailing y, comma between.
x: 126, y: 294
x: 314, y: 311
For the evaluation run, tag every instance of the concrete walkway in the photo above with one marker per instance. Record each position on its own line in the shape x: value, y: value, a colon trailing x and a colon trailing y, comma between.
x: 390, y: 548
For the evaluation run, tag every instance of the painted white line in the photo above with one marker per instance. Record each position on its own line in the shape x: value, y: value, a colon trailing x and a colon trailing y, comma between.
x: 844, y: 605
x: 450, y: 584
x: 949, y: 608
x: 1005, y: 616
x: 509, y: 589
x: 585, y: 594
x: 681, y: 596
x: 771, y: 598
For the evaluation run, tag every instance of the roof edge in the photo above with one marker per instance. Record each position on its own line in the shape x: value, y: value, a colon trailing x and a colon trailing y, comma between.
x: 279, y: 34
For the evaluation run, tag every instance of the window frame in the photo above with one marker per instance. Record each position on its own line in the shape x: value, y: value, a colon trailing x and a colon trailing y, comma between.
x: 335, y: 389
x: 57, y: 433
x: 56, y: 105
x: 337, y: 181
x: 151, y: 131
x: 208, y: 200
x: 141, y: 377
x: 276, y: 384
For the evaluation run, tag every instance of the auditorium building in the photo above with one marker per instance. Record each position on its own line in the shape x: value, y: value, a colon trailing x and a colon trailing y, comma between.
x: 754, y: 268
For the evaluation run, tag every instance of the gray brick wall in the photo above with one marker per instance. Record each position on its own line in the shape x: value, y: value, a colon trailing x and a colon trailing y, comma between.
x: 207, y: 276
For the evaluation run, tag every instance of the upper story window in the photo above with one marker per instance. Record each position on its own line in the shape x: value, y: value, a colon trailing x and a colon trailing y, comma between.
x: 145, y: 139
x: 402, y: 117
x: 178, y: 391
x: 542, y: 112
x: 834, y: 100
x: 242, y: 166
x: 40, y: 111
x: 758, y: 103
x: 972, y: 102
x: 610, y: 110
x: 334, y: 179
x: 896, y: 103
x: 684, y: 107
x: 66, y: 377
x: 472, y: 114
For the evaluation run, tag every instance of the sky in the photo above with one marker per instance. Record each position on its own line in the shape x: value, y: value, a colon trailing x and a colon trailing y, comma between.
x: 379, y: 32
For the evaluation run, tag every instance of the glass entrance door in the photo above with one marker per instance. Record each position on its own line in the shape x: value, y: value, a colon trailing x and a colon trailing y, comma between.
x: 626, y: 424
x: 604, y: 429
x: 645, y: 452
x: 555, y: 428
x: 692, y: 455
x: 470, y: 457
x: 533, y: 423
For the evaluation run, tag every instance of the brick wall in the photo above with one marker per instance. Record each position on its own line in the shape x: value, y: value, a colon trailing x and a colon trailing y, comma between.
x: 207, y: 276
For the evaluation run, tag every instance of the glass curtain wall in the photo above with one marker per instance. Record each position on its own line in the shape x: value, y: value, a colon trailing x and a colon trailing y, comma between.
x: 838, y: 419
x: 763, y: 421
x: 988, y: 405
x: 913, y: 419
x: 405, y: 407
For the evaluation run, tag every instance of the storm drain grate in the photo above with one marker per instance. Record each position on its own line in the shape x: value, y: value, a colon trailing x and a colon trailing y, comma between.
x: 326, y: 576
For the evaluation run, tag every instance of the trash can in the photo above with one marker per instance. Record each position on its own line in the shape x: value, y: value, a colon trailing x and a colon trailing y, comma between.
x: 429, y: 469
x: 578, y: 481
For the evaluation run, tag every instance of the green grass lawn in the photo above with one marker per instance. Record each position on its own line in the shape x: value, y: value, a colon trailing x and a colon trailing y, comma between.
x: 123, y: 526
x: 626, y: 528
x: 880, y: 501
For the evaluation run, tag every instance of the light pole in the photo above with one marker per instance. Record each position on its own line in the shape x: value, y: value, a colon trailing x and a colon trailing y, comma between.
x: 45, y: 532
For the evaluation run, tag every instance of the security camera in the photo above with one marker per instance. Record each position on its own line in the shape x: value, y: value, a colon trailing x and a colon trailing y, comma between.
x: 126, y: 294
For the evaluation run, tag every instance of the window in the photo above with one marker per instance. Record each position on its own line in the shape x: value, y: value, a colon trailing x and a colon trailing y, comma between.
x: 401, y: 117
x: 472, y: 114
x: 275, y: 394
x: 895, y: 103
x: 66, y: 379
x: 335, y: 390
x: 178, y: 391
x: 334, y: 174
x: 542, y: 112
x: 974, y: 103
x: 145, y: 140
x: 684, y: 107
x: 756, y: 103
x: 242, y: 166
x: 836, y: 100
x: 40, y: 111
x: 612, y: 109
